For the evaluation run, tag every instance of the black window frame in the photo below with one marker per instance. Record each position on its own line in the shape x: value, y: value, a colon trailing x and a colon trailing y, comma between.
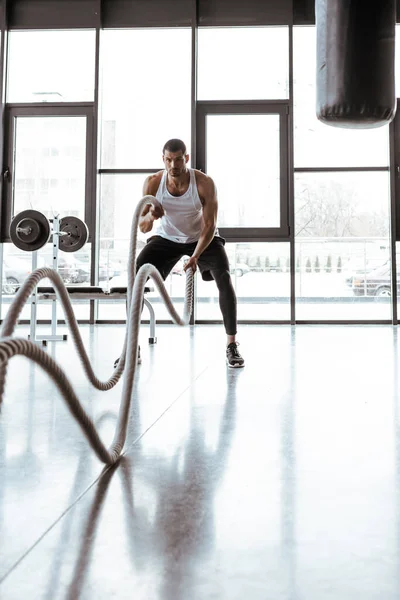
x: 65, y: 109
x: 267, y: 107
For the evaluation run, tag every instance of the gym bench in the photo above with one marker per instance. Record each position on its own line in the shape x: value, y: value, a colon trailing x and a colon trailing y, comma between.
x: 91, y: 292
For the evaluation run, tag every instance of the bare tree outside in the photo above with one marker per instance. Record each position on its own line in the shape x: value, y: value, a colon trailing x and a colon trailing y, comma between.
x: 332, y: 209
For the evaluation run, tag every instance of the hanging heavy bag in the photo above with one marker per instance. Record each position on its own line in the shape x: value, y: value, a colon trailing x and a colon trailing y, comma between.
x: 355, y: 62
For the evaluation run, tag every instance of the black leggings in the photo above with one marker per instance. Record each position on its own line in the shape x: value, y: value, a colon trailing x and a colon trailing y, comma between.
x: 213, y: 264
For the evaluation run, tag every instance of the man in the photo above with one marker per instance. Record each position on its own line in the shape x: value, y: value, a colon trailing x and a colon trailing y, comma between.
x: 187, y: 226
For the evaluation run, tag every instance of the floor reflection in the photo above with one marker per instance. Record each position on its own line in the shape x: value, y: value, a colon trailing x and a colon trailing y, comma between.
x: 182, y: 530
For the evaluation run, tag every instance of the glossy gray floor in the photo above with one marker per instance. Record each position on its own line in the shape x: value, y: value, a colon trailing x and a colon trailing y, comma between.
x: 277, y: 481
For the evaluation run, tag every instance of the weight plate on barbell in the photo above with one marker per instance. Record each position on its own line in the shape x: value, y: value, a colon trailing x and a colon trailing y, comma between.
x: 30, y: 230
x: 77, y: 234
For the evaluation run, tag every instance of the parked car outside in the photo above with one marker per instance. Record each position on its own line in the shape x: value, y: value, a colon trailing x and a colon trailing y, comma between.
x: 15, y: 271
x: 67, y: 268
x: 107, y: 269
x: 75, y: 270
x: 357, y: 270
x: 374, y: 283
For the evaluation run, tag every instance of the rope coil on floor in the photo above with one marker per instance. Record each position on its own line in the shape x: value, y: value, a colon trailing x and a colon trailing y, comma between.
x: 10, y: 346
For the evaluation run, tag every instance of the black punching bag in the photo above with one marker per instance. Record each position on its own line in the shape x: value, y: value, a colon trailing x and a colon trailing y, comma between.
x: 355, y: 62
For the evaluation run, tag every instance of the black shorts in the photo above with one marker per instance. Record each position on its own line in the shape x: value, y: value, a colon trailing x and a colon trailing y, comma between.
x: 164, y: 254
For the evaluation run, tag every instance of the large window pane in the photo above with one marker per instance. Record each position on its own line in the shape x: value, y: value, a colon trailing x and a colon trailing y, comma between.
x: 319, y: 145
x: 243, y: 63
x: 48, y: 175
x: 146, y: 94
x: 261, y: 277
x: 237, y: 146
x: 50, y: 165
x: 51, y: 66
x: 342, y: 246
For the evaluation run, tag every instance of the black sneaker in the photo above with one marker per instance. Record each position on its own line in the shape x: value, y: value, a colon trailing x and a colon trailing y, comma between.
x: 139, y: 360
x: 233, y: 358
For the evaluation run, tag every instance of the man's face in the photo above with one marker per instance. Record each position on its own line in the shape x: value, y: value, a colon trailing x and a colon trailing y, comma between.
x: 175, y: 162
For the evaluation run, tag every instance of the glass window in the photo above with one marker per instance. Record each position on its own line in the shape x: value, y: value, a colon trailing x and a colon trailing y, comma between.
x: 17, y: 265
x: 260, y: 271
x: 146, y: 95
x: 119, y: 195
x: 49, y: 175
x: 49, y: 172
x: 261, y: 277
x: 51, y: 66
x: 238, y: 145
x: 317, y: 144
x: 342, y: 246
x: 240, y: 63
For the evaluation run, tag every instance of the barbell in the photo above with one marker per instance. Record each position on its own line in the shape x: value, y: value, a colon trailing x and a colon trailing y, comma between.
x: 31, y: 230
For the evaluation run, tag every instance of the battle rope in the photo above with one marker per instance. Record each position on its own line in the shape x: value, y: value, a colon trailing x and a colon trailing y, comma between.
x: 10, y: 346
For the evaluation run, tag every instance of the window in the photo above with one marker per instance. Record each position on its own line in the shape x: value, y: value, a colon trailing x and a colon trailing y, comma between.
x: 236, y: 146
x: 51, y: 66
x: 41, y: 165
x: 317, y: 144
x: 240, y: 63
x: 235, y: 140
x: 143, y: 105
x: 261, y: 277
x: 342, y: 243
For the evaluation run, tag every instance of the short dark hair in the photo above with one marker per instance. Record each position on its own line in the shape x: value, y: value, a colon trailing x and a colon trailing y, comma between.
x: 174, y: 145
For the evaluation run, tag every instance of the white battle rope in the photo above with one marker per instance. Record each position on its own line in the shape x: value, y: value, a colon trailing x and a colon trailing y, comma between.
x: 10, y: 346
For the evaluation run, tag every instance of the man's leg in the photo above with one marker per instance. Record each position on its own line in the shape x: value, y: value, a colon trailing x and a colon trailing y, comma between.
x: 161, y: 253
x: 215, y: 260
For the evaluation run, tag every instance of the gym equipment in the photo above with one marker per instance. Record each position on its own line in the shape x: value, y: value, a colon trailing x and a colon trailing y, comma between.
x: 93, y: 292
x: 73, y: 233
x: 78, y: 293
x: 355, y: 62
x: 10, y: 346
x: 30, y: 230
x: 53, y: 337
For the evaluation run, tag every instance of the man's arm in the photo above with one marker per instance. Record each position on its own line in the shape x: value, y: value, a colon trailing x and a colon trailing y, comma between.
x: 150, y: 213
x: 208, y: 192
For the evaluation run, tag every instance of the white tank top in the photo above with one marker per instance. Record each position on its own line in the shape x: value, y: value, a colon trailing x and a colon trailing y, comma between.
x: 183, y: 219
